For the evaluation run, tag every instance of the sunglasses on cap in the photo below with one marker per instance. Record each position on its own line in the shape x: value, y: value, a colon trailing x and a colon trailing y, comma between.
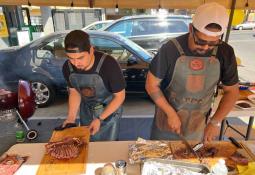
x: 202, y: 42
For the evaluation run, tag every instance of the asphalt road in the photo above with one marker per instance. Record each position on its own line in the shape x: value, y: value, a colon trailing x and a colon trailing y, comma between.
x: 243, y: 43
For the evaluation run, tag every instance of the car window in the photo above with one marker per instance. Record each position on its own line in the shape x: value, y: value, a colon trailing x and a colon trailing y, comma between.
x: 148, y: 27
x: 112, y: 48
x: 54, y: 48
x: 122, y: 27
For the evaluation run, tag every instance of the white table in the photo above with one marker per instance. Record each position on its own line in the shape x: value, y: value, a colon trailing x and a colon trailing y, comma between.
x: 99, y: 154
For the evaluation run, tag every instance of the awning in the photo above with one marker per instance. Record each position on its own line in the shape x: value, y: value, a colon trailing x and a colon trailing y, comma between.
x: 146, y: 4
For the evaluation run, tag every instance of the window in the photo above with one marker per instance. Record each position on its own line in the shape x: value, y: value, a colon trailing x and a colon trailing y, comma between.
x: 149, y: 27
x: 54, y: 48
x: 123, y: 27
x: 110, y: 47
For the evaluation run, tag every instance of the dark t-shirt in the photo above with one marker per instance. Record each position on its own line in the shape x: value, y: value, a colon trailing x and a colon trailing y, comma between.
x: 162, y: 65
x: 110, y: 72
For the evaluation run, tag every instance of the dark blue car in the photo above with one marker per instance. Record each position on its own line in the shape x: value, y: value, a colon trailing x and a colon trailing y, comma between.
x: 41, y: 63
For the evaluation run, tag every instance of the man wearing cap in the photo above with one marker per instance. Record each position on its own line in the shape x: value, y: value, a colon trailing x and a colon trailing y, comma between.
x: 96, y: 87
x: 184, y: 74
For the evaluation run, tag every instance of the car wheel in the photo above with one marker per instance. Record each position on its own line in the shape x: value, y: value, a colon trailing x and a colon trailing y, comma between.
x: 45, y: 93
x: 240, y: 28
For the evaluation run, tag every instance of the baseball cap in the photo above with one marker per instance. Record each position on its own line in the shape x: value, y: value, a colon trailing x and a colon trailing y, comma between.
x: 77, y: 39
x: 210, y: 13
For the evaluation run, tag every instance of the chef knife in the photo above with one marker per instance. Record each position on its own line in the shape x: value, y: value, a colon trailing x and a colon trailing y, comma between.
x: 189, y: 147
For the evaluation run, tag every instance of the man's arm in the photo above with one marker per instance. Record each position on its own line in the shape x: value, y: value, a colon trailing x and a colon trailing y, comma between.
x: 153, y: 88
x: 74, y: 101
x: 115, y: 103
x: 118, y: 99
x: 227, y: 102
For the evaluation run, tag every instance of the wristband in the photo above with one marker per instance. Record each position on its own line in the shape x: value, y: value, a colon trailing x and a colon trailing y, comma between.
x: 215, y: 123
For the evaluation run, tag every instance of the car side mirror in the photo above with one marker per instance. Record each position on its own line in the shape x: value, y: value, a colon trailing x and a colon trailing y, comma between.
x: 44, y: 54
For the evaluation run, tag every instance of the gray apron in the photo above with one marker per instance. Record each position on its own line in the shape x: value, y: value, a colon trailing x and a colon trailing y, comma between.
x: 94, y: 98
x: 190, y: 93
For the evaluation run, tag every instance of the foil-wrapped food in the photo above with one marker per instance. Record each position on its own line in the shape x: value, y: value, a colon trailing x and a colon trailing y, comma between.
x: 144, y: 149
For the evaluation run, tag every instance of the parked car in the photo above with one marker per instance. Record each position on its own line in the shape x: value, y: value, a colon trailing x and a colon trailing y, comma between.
x: 97, y: 25
x: 41, y: 62
x: 149, y: 31
x: 245, y: 25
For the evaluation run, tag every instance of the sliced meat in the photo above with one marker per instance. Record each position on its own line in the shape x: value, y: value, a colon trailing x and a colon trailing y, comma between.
x: 183, y: 153
x: 239, y: 158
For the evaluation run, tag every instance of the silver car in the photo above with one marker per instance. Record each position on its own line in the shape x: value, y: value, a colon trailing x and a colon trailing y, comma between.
x: 149, y: 31
x: 245, y: 25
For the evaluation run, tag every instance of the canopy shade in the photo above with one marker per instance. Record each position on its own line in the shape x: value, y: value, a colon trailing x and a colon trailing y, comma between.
x: 146, y: 4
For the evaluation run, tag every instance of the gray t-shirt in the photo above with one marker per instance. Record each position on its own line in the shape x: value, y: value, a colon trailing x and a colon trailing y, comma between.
x: 162, y: 65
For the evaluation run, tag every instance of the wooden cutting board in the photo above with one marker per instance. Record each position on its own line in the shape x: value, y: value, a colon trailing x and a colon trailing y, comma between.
x: 53, y: 166
x: 243, y: 94
x: 225, y: 149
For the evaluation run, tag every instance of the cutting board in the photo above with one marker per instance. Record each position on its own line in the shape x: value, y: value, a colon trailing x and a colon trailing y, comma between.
x: 225, y: 149
x: 243, y: 94
x: 53, y: 166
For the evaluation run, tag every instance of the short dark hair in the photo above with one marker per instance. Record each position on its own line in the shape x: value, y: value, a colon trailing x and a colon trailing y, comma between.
x: 77, y: 39
x: 213, y: 26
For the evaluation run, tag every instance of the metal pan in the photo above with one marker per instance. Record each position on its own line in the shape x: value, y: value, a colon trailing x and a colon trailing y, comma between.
x: 194, y: 167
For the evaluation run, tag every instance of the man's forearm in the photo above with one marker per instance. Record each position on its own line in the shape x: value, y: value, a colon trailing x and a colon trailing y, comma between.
x: 226, y: 104
x: 160, y: 100
x: 115, y: 103
x: 152, y: 86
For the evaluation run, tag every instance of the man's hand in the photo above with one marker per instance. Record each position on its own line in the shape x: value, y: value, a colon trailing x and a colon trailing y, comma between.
x: 211, y: 132
x: 67, y: 121
x: 94, y: 126
x: 174, y: 123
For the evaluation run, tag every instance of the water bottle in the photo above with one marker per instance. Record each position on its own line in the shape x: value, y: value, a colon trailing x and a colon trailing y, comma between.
x: 20, y: 136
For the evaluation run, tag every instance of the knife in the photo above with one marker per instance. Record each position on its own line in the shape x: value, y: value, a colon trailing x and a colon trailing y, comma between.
x: 186, y: 143
x: 235, y: 142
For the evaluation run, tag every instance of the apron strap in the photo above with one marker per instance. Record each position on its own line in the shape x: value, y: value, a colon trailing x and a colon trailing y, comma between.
x: 215, y: 51
x: 70, y: 66
x: 100, y: 63
x: 178, y: 46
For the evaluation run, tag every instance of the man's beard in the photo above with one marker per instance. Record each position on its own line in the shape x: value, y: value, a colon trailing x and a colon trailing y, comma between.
x: 202, y: 52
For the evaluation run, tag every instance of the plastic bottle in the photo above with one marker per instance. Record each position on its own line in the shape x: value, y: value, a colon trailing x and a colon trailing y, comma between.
x: 220, y: 168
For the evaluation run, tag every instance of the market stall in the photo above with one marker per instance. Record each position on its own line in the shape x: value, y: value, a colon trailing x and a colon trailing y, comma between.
x: 100, y: 153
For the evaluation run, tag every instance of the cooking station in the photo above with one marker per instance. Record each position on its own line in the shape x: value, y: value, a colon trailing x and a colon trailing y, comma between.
x: 99, y: 153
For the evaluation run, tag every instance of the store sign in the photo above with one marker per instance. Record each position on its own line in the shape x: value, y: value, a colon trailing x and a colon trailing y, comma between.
x: 3, y: 26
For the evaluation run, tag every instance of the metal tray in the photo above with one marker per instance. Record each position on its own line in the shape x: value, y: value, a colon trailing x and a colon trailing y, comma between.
x: 195, y: 167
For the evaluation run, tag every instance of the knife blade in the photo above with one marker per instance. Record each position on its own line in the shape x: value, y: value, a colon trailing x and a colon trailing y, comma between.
x: 186, y: 143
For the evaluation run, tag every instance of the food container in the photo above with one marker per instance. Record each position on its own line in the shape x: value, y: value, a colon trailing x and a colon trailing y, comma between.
x: 242, y: 104
x: 165, y: 167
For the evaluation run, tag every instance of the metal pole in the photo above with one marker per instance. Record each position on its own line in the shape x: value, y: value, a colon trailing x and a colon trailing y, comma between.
x: 248, y: 133
x: 233, y: 6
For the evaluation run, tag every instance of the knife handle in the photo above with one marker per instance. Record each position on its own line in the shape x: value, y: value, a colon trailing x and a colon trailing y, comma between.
x: 234, y: 141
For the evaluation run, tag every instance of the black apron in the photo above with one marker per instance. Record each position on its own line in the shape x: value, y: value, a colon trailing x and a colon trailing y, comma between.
x: 94, y: 98
x: 190, y: 93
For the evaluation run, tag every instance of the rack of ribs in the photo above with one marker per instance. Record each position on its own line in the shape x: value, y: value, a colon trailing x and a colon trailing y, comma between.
x: 68, y: 148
